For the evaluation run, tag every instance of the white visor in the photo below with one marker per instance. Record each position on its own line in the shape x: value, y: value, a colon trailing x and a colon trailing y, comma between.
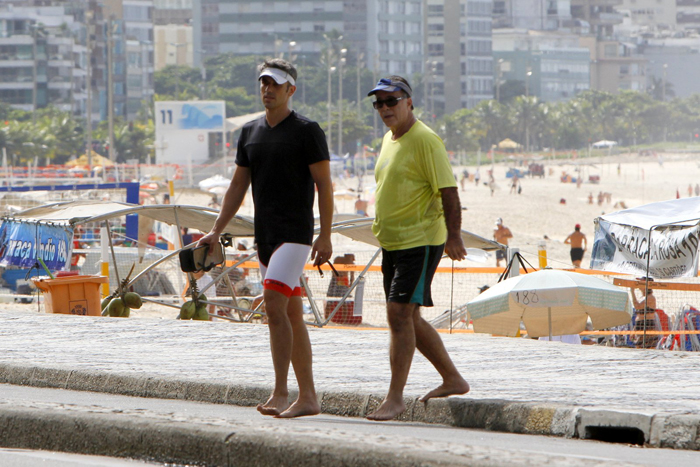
x: 278, y: 75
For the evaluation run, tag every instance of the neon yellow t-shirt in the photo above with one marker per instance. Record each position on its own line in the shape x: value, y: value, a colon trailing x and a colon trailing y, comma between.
x: 410, y: 173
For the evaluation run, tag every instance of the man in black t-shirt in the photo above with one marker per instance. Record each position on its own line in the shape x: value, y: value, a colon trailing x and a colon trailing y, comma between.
x: 283, y: 155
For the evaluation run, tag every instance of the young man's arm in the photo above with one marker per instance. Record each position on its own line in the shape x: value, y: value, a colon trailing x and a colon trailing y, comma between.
x: 454, y: 247
x: 585, y: 243
x: 322, y: 248
x: 567, y: 241
x: 230, y: 204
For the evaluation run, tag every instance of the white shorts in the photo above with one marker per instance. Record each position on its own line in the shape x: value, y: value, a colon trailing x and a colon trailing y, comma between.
x: 284, y: 269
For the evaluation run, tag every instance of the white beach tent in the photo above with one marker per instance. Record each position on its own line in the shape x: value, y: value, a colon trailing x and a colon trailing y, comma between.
x: 658, y: 240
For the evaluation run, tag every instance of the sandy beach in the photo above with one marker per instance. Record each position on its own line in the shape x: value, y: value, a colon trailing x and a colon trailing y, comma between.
x: 531, y: 215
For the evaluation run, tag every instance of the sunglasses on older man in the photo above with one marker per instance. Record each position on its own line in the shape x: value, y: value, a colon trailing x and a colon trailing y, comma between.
x: 390, y: 102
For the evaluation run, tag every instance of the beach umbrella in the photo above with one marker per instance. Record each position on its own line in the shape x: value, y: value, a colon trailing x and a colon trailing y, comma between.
x: 604, y: 144
x: 549, y: 302
x: 215, y: 181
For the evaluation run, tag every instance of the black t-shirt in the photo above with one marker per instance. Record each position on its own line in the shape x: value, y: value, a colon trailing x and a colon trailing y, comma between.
x: 283, y: 189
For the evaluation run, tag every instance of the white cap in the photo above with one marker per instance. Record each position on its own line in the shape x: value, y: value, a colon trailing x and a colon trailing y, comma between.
x: 499, y: 221
x: 280, y: 76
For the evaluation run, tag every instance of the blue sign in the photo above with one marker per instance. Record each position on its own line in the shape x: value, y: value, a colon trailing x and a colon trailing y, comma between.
x: 22, y: 243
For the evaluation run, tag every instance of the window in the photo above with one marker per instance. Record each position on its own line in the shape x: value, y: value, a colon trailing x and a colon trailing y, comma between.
x: 435, y: 50
x: 436, y: 30
x: 499, y: 8
x: 319, y: 27
x: 435, y: 10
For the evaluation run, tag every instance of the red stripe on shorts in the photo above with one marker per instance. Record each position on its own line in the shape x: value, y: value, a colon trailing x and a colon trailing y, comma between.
x: 277, y: 286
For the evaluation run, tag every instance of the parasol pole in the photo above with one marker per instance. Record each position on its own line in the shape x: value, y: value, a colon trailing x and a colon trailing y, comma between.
x: 549, y: 316
x: 452, y: 292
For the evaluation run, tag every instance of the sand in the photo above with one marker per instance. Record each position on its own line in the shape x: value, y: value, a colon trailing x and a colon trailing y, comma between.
x: 535, y: 213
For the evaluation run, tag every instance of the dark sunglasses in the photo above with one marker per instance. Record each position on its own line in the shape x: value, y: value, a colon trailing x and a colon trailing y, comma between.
x: 390, y: 102
x: 320, y: 271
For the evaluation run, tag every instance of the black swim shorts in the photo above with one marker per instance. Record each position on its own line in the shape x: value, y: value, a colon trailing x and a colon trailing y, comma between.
x: 500, y: 254
x: 409, y: 273
x: 576, y: 254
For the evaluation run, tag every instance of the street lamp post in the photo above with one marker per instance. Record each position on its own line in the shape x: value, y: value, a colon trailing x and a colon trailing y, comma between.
x: 88, y: 79
x: 663, y: 84
x: 341, y: 62
x: 331, y: 69
x: 527, y: 104
x: 110, y: 90
x: 499, y: 77
x: 177, y: 66
x: 360, y: 56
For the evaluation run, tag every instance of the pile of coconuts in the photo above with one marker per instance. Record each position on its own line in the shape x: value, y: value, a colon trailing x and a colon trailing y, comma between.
x: 120, y: 307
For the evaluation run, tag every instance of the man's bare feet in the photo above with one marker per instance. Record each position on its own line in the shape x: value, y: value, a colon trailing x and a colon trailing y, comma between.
x: 275, y: 405
x: 447, y: 389
x: 388, y: 410
x: 301, y: 408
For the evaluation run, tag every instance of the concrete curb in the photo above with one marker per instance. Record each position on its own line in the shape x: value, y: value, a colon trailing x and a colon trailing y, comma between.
x: 677, y: 431
x: 188, y: 443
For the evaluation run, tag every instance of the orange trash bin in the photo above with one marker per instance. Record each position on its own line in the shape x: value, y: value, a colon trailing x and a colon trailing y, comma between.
x: 72, y: 295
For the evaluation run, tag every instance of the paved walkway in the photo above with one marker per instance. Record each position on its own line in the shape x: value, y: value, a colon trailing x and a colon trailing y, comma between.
x: 518, y: 385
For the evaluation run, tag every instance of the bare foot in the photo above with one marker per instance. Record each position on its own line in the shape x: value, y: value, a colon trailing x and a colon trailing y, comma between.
x: 447, y: 389
x: 387, y: 410
x: 301, y: 409
x: 275, y: 405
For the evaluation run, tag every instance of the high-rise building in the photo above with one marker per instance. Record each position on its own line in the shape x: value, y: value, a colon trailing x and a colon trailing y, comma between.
x: 543, y: 15
x: 131, y: 33
x: 41, y: 64
x: 270, y: 27
x: 172, y: 12
x: 551, y: 64
x: 600, y: 14
x: 395, y: 37
x: 459, y: 67
x: 207, y: 30
x: 650, y: 13
x: 688, y: 14
x: 615, y: 66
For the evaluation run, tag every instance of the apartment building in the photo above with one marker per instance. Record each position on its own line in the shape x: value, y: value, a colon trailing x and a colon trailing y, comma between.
x: 459, y: 67
x: 544, y: 15
x: 551, y: 64
x: 615, y: 66
x: 40, y: 62
x: 601, y: 15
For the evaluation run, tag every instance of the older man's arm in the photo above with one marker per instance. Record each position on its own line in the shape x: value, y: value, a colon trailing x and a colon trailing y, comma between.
x: 453, y: 218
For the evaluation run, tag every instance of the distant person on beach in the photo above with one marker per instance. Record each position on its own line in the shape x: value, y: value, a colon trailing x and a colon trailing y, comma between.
x: 514, y: 184
x: 579, y: 245
x: 361, y: 206
x: 283, y: 155
x: 465, y: 178
x: 477, y: 177
x: 418, y: 217
x: 501, y: 234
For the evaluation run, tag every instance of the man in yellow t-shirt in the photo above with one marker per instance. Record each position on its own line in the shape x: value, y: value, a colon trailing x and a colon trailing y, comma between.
x: 418, y: 217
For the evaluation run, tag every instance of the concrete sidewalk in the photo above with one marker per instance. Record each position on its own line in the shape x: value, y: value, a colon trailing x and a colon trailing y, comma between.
x: 518, y: 385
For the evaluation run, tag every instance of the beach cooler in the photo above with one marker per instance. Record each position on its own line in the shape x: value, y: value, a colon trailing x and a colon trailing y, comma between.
x: 344, y: 315
x: 72, y: 295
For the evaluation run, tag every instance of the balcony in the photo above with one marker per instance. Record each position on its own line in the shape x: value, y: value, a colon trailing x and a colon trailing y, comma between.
x: 609, y: 19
